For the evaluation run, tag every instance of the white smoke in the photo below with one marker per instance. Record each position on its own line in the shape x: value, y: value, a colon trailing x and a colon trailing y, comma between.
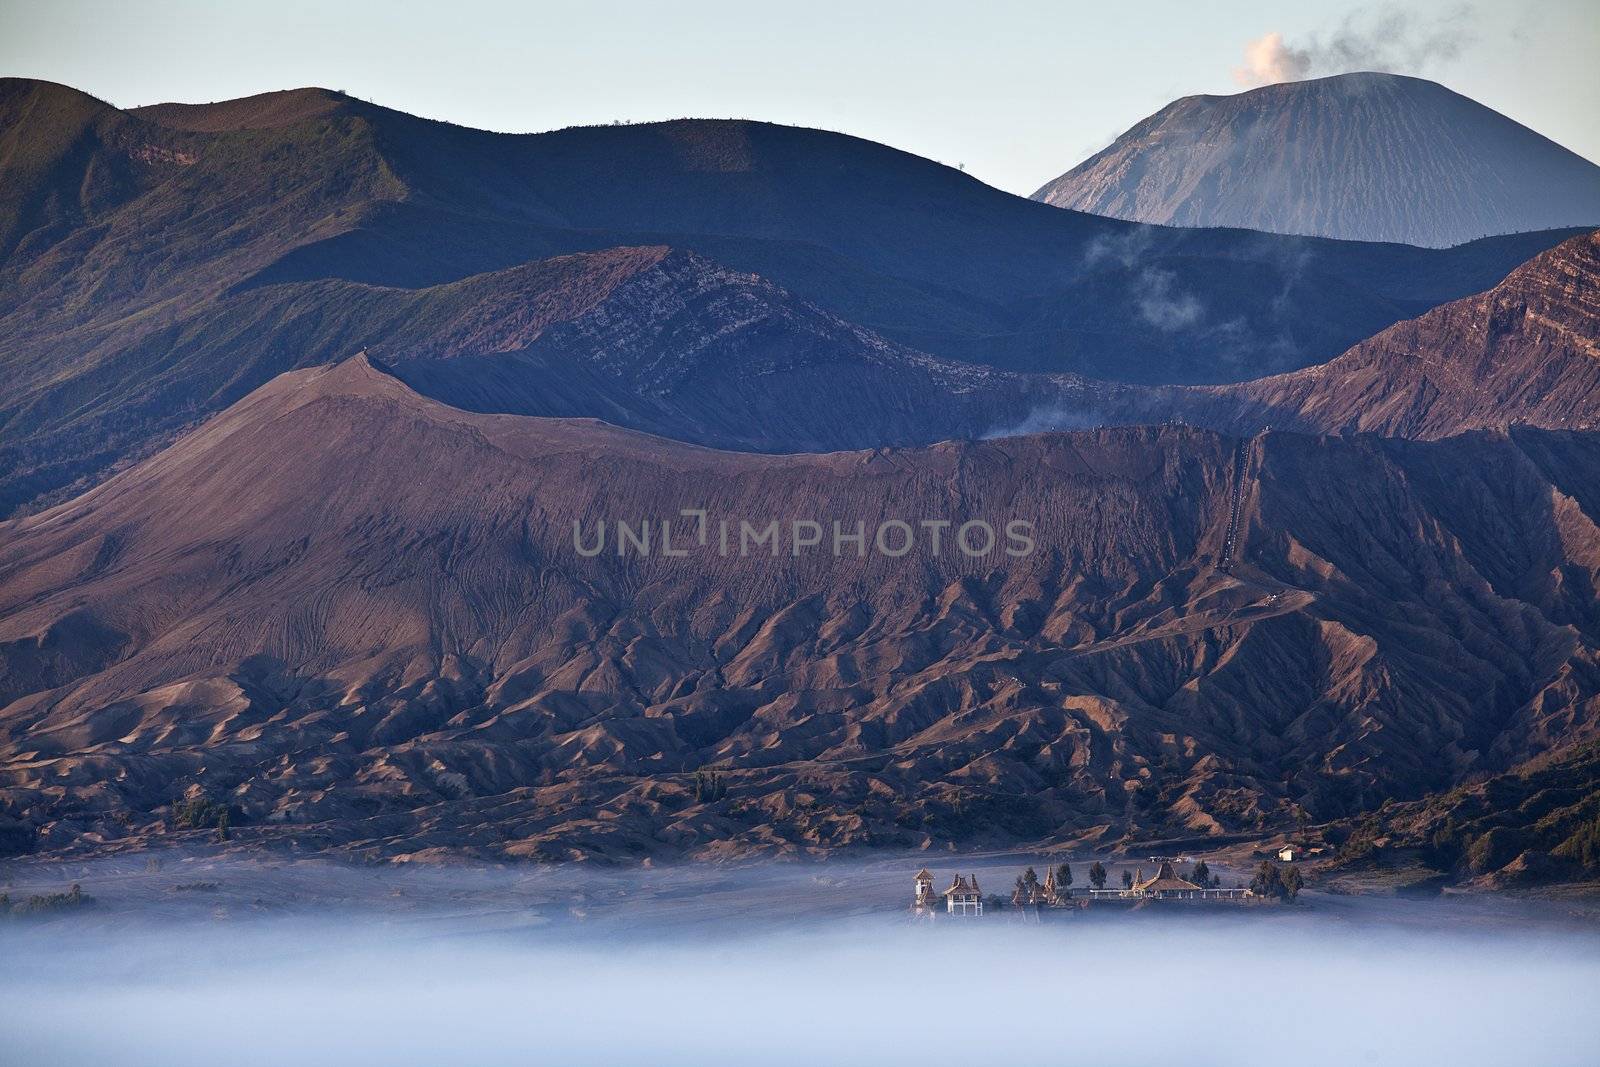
x: 1125, y: 249
x: 1051, y: 418
x: 1381, y: 40
x: 1158, y: 298
x: 1267, y: 61
x: 1164, y: 306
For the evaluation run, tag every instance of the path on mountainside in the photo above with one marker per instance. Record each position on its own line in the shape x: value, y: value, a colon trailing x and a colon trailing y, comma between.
x: 1281, y: 602
x: 1241, y: 462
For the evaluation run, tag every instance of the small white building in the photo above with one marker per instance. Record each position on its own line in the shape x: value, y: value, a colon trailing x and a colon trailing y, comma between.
x: 963, y: 897
x: 924, y: 896
x: 1287, y: 854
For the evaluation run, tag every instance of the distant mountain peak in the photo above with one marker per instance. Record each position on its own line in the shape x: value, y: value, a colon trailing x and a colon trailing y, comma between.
x: 1362, y: 156
x: 1347, y: 83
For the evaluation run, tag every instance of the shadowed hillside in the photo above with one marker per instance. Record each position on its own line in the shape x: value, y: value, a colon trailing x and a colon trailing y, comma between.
x: 160, y: 263
x: 1525, y: 353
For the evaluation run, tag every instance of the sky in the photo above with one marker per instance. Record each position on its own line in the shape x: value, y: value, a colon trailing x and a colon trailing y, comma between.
x: 1017, y: 92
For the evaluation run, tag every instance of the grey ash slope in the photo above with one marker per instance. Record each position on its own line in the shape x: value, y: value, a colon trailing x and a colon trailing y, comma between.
x: 1368, y: 157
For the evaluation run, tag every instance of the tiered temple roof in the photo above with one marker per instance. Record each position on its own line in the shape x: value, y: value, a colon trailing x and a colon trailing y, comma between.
x: 1165, y: 881
x: 961, y: 887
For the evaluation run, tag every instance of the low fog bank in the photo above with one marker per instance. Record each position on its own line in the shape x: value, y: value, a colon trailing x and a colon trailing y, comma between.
x: 189, y: 959
x: 882, y: 990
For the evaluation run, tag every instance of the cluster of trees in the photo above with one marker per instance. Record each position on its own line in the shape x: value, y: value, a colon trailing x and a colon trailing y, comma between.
x: 1451, y: 845
x: 44, y: 903
x: 1362, y: 842
x: 1027, y: 885
x: 1583, y: 846
x: 1276, y: 882
x: 709, y: 786
x: 200, y: 812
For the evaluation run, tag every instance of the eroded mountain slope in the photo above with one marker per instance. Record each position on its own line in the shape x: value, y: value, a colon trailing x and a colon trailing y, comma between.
x: 359, y: 617
x: 1527, y: 352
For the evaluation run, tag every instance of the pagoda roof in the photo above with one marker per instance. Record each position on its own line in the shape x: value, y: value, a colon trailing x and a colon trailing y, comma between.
x: 1165, y: 880
x: 962, y: 887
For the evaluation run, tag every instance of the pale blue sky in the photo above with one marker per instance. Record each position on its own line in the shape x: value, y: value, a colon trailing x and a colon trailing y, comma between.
x: 1018, y: 91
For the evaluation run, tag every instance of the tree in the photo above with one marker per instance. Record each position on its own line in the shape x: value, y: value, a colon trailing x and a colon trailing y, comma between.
x: 1201, y: 875
x: 1127, y: 878
x: 199, y: 812
x: 709, y: 786
x: 1276, y: 882
x: 1064, y: 876
x: 1097, y: 875
x: 1030, y: 880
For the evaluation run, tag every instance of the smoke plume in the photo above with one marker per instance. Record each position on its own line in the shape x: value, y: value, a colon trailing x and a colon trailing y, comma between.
x: 1267, y: 61
x: 1389, y: 40
x: 1163, y: 306
x: 1051, y: 418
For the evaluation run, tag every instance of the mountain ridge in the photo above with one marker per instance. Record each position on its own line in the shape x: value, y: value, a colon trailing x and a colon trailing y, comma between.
x: 262, y: 111
x: 129, y: 235
x: 1525, y: 352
